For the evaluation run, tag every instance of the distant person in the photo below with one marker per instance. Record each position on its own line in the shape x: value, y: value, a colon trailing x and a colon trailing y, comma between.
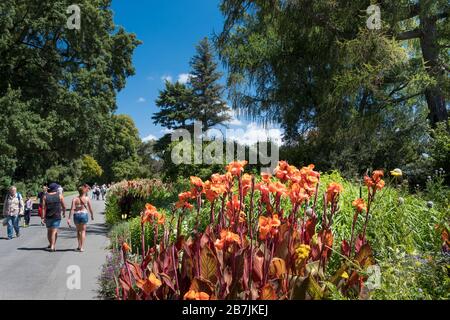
x: 52, y: 208
x: 60, y: 190
x: 12, y: 209
x: 94, y: 187
x: 103, y: 191
x: 28, y: 209
x: 97, y: 193
x: 80, y: 208
x: 41, y: 199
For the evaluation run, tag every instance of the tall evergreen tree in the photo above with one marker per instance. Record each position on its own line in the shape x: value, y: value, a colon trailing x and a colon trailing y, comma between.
x: 208, y: 105
x: 175, y: 103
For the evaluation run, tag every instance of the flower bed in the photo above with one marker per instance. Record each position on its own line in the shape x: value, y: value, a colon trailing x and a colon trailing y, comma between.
x: 266, y: 238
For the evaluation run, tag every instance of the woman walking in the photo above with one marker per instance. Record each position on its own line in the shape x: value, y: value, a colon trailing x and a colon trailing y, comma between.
x: 81, y: 205
x: 52, y: 207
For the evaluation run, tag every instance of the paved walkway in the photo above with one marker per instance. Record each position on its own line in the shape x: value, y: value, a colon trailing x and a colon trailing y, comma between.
x: 29, y: 272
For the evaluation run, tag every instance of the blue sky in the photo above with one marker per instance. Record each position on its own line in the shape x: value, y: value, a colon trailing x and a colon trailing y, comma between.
x: 170, y: 30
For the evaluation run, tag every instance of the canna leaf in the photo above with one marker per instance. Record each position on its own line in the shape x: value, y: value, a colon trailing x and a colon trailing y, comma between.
x: 208, y: 265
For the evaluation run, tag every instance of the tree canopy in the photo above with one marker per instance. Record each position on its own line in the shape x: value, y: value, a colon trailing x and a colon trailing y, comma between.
x: 58, y: 86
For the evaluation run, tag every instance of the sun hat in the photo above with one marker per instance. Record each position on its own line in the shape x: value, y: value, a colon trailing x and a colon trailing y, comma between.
x: 53, y: 187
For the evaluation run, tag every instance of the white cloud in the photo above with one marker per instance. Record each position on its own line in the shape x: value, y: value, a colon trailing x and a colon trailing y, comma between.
x: 150, y: 78
x: 255, y: 133
x: 149, y: 138
x: 184, y: 78
x: 141, y: 100
x: 167, y: 77
x: 166, y: 131
x: 234, y: 121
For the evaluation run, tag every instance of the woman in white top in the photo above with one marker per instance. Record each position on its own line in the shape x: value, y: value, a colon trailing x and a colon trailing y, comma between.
x: 80, y: 207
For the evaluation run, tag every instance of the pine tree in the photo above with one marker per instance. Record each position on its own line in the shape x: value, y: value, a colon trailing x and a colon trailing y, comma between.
x: 175, y: 104
x: 207, y: 104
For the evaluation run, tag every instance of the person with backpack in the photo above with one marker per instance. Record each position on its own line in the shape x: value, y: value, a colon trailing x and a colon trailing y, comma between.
x: 52, y: 209
x: 81, y: 206
x: 12, y: 209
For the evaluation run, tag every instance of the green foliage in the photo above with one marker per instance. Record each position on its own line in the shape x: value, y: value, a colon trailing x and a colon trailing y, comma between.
x: 118, y: 147
x: 90, y: 168
x: 441, y: 148
x: 127, y: 199
x: 348, y: 98
x: 57, y: 86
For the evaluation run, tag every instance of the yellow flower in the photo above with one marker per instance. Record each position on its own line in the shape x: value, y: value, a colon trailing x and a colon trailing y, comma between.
x: 301, y: 254
x: 396, y: 173
x: 344, y: 275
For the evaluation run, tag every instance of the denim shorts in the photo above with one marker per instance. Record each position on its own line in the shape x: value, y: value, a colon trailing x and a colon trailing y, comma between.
x: 80, y: 218
x: 52, y: 223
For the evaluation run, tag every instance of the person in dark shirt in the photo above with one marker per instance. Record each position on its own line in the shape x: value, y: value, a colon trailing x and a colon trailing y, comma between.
x: 52, y: 209
x: 41, y: 198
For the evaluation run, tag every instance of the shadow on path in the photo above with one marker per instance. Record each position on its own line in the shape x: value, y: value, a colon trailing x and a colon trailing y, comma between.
x: 46, y: 250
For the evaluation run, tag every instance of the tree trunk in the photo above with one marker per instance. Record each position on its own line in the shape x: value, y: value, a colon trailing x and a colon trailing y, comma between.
x: 429, y: 45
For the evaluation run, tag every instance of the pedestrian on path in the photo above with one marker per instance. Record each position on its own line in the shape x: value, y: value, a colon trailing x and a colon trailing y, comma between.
x: 41, y: 199
x: 80, y: 208
x: 52, y: 209
x: 12, y: 209
x: 28, y: 209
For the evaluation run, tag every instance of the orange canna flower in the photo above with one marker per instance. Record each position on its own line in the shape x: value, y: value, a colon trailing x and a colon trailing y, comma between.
x: 226, y: 238
x: 183, y: 200
x: 236, y: 167
x: 333, y: 190
x: 126, y: 247
x: 380, y: 184
x: 161, y: 219
x: 194, y: 295
x: 266, y: 177
x: 150, y: 284
x: 149, y: 214
x: 359, y: 205
x: 246, y: 183
x: 297, y: 194
x: 281, y: 171
x: 377, y: 175
x: 268, y: 226
x: 197, y: 182
x: 375, y: 182
x: 278, y: 188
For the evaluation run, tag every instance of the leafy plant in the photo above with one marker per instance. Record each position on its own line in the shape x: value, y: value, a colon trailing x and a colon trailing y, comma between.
x: 266, y: 239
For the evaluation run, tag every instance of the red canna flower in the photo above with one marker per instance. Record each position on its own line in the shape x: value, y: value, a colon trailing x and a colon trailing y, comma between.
x: 359, y: 205
x: 149, y: 214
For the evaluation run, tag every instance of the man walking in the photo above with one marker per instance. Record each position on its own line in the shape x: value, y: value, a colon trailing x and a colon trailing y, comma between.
x: 12, y: 209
